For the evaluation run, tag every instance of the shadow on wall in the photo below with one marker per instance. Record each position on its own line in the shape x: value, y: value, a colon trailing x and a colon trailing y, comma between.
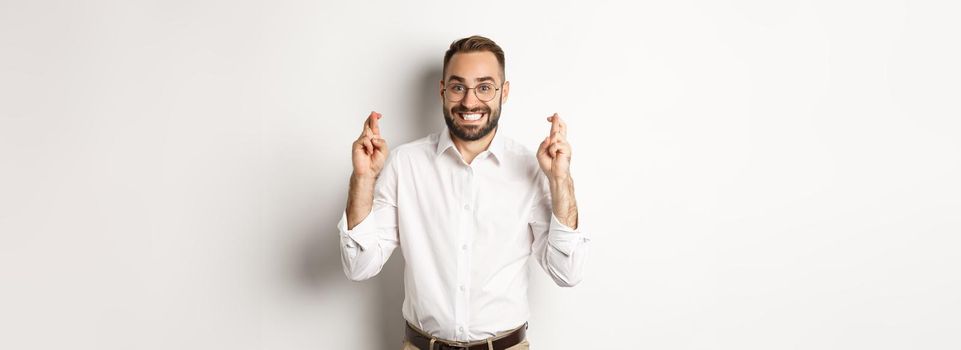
x: 320, y: 261
x: 426, y: 115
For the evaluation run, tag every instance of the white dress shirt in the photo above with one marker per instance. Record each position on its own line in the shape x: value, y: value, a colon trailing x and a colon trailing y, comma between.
x: 467, y: 232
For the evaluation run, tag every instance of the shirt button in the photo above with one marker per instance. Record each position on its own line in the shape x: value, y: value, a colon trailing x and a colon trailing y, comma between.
x: 466, y: 206
x: 462, y: 288
x: 461, y: 329
x: 463, y: 247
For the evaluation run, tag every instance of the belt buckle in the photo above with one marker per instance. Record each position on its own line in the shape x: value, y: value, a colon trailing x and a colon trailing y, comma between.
x: 454, y: 347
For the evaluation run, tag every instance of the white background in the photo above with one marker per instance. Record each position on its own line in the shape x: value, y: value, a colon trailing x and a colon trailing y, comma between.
x: 755, y: 174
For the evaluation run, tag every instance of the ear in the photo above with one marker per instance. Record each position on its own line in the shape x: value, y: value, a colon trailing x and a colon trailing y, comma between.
x: 441, y: 90
x: 506, y: 90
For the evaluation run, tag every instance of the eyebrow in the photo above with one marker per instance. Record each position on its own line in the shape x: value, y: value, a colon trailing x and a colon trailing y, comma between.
x: 461, y: 79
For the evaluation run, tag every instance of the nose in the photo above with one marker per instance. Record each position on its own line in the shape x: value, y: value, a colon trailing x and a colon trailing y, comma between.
x: 470, y: 99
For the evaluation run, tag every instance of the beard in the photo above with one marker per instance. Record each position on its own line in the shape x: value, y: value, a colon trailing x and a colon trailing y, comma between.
x: 472, y: 132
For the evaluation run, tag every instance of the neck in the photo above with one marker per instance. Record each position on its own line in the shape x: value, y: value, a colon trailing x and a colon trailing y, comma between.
x: 470, y: 149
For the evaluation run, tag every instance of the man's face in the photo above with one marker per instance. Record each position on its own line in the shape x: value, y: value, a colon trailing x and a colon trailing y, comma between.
x: 471, y: 70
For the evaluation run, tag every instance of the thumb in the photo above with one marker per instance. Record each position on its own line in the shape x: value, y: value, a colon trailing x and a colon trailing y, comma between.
x: 544, y: 144
x: 379, y: 143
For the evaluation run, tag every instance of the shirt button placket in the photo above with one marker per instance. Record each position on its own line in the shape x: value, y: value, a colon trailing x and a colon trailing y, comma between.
x: 464, y: 259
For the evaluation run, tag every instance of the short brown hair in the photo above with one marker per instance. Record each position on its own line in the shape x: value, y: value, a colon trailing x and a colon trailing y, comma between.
x: 474, y: 43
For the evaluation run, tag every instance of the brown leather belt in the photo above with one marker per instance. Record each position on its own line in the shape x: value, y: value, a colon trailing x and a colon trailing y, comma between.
x: 499, y: 342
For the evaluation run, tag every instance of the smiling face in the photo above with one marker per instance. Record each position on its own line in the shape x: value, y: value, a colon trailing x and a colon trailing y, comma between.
x: 471, y: 118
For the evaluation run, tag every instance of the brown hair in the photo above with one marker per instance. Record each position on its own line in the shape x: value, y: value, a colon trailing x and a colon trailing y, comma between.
x: 474, y: 43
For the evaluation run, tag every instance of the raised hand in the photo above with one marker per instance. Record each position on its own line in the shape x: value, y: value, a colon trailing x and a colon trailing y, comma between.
x: 554, y: 153
x: 369, y: 151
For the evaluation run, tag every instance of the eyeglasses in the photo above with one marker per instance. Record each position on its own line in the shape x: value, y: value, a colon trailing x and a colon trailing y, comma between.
x: 455, y: 92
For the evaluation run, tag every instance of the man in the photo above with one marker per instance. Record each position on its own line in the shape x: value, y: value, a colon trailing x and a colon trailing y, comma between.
x: 468, y: 207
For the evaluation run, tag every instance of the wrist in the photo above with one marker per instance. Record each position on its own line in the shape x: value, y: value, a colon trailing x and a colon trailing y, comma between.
x: 354, y: 177
x: 559, y: 179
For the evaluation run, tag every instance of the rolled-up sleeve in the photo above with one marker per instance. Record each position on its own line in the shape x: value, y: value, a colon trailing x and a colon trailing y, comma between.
x: 366, y: 248
x: 559, y: 249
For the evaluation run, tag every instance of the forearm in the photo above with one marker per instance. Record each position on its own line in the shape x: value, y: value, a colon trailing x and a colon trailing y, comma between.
x: 561, y: 248
x: 360, y: 199
x: 563, y: 202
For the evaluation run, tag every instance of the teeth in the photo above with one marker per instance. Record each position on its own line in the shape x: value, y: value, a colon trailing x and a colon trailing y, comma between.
x: 471, y: 117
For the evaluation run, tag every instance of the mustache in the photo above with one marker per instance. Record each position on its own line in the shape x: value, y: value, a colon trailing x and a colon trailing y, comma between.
x: 459, y: 109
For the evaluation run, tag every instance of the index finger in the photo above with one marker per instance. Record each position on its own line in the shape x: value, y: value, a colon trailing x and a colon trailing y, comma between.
x: 374, y: 122
x: 368, y: 123
x: 555, y: 124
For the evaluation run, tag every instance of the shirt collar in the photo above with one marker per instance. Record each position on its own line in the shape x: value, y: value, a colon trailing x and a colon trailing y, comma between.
x: 496, y: 148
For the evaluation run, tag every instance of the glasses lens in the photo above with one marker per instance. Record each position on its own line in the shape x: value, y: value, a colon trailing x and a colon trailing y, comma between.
x: 485, y: 92
x: 455, y: 92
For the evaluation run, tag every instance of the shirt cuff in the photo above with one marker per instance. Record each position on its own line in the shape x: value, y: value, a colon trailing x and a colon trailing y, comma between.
x: 363, y: 235
x: 564, y: 238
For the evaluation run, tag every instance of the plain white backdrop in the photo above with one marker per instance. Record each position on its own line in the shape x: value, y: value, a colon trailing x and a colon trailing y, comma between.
x: 755, y: 174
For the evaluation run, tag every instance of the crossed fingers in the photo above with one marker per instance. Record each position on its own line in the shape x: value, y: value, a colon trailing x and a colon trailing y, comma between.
x: 557, y: 140
x: 370, y: 133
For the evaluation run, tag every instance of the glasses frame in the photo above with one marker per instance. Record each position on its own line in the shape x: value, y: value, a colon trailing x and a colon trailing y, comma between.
x: 496, y: 90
